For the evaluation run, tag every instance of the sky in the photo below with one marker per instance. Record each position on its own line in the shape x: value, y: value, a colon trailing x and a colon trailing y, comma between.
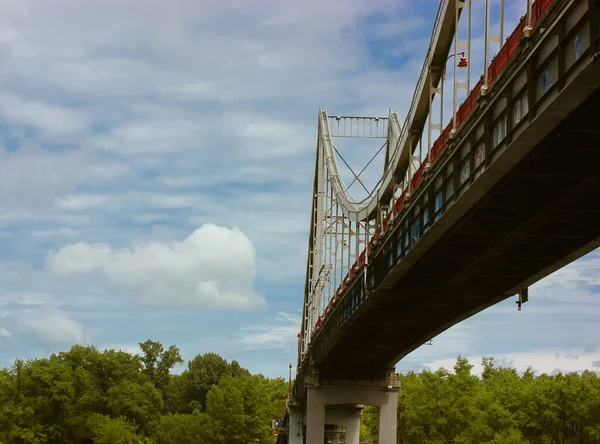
x: 156, y: 167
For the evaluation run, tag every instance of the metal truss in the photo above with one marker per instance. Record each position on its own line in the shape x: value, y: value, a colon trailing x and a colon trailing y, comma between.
x: 341, y: 227
x: 490, y: 37
x: 335, y: 240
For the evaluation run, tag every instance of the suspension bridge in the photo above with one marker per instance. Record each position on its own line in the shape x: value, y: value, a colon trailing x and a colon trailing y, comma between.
x: 463, y: 216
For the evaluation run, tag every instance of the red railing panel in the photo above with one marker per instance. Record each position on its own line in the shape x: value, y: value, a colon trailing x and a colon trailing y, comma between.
x: 543, y: 5
x: 399, y: 203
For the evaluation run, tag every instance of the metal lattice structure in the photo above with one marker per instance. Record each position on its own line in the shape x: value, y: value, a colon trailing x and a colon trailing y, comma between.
x: 342, y: 229
x: 336, y: 240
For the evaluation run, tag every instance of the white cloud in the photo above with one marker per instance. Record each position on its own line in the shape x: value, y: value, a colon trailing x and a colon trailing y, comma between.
x: 50, y: 118
x: 24, y: 298
x: 30, y: 175
x: 580, y: 274
x: 83, y: 201
x: 161, y: 200
x: 59, y: 232
x: 4, y: 333
x: 213, y: 267
x: 49, y: 326
x: 133, y: 349
x: 180, y: 114
x: 271, y: 138
x: 279, y: 332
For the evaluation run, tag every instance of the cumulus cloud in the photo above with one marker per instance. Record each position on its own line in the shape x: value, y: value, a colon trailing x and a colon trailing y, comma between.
x: 279, y: 332
x: 213, y: 267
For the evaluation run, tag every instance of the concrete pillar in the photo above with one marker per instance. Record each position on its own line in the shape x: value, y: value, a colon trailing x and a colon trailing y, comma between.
x: 344, y: 407
x: 315, y: 417
x: 388, y: 418
x: 295, y: 427
x: 353, y: 430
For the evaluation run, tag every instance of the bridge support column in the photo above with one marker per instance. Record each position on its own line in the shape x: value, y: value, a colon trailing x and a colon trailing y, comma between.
x: 315, y: 417
x: 388, y: 425
x: 347, y: 416
x: 296, y: 433
x: 344, y: 401
x: 353, y: 431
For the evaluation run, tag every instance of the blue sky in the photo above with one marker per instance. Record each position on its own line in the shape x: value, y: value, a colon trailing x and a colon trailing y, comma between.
x: 156, y: 167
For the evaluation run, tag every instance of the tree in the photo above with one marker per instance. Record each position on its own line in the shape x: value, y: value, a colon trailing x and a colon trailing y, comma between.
x: 159, y: 362
x: 369, y: 425
x: 236, y: 413
x: 84, y: 396
x: 140, y: 403
x: 182, y: 429
x: 175, y: 395
x: 203, y: 372
x: 106, y: 430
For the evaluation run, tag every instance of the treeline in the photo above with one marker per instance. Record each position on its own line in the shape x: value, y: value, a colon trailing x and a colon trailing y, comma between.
x: 501, y: 407
x: 86, y: 396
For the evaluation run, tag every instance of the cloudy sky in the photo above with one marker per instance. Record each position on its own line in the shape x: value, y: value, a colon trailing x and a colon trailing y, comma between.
x: 156, y: 161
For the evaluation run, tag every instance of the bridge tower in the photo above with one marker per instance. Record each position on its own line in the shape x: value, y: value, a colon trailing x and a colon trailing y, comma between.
x: 340, y: 236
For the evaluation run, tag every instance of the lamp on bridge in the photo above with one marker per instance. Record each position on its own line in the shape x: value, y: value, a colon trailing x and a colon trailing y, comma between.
x: 462, y: 62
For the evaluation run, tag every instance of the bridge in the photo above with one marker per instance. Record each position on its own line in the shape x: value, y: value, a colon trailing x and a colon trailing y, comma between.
x: 464, y: 216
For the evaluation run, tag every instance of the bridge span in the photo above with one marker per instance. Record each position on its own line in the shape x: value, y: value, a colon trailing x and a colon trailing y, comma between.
x: 464, y: 216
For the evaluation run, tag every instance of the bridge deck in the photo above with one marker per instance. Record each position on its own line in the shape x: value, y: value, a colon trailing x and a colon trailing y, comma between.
x: 543, y: 214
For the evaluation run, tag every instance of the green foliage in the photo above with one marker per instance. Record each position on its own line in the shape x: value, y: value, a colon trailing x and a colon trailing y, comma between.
x: 369, y: 424
x: 140, y: 403
x: 182, y: 429
x: 501, y: 407
x: 84, y: 396
x: 106, y: 430
x: 204, y: 371
x: 237, y: 412
x: 159, y: 362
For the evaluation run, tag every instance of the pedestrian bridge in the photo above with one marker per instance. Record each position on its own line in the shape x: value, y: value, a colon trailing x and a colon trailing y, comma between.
x: 463, y: 217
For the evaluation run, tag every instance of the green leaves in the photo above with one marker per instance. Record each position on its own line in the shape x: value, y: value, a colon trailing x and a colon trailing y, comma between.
x: 159, y: 362
x: 183, y: 429
x: 106, y: 430
x: 499, y: 407
x: 140, y: 403
x: 84, y: 396
x: 236, y: 410
x: 205, y: 371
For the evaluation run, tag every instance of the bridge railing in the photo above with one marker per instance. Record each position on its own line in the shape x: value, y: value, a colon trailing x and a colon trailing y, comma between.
x: 500, y: 62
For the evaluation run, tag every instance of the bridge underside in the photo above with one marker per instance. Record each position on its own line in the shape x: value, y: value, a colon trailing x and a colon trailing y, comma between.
x: 542, y: 215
